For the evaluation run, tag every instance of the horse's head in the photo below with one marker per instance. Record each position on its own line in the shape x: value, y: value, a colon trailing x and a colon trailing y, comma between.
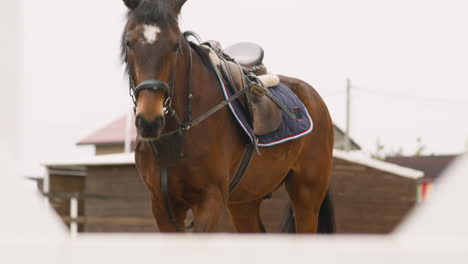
x: 150, y: 46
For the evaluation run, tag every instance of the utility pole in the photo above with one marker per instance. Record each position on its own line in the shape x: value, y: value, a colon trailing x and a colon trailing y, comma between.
x: 347, y: 141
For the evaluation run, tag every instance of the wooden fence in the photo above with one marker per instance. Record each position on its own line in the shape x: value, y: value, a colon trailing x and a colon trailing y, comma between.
x: 73, y: 219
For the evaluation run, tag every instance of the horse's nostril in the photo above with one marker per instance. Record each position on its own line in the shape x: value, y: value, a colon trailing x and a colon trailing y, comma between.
x: 149, y: 128
x: 139, y: 122
x: 159, y: 122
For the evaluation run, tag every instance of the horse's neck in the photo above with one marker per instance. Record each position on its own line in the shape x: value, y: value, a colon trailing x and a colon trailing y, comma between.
x: 204, y: 94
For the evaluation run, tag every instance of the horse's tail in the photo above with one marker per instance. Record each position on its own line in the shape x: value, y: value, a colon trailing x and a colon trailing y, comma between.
x: 326, y: 221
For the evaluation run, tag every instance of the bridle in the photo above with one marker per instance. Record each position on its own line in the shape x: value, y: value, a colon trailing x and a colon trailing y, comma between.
x: 168, y: 88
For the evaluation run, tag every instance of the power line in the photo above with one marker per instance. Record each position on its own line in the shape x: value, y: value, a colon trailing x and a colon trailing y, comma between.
x: 333, y: 94
x: 409, y: 97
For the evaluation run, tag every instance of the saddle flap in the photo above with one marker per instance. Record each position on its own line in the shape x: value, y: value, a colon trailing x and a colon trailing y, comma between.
x: 267, y: 116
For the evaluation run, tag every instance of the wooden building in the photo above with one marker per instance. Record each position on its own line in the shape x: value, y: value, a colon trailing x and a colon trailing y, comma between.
x: 104, y: 193
x: 433, y: 167
x: 368, y: 196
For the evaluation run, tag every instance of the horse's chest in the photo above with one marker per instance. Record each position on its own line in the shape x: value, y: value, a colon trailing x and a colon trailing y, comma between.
x: 169, y: 149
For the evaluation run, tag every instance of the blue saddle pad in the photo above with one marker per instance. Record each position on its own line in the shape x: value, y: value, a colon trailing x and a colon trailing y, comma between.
x: 290, y: 128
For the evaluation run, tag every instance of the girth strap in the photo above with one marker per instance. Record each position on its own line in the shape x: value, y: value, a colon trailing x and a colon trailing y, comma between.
x: 243, y: 166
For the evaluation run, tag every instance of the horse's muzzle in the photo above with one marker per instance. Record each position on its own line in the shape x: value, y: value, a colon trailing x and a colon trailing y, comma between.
x: 149, y: 128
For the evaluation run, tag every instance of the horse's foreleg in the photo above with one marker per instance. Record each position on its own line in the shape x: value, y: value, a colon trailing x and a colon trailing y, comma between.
x: 246, y: 217
x: 162, y: 218
x: 150, y: 175
x: 209, y: 210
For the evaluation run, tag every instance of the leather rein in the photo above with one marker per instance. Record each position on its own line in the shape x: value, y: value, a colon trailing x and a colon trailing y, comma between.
x: 188, y: 123
x: 156, y: 85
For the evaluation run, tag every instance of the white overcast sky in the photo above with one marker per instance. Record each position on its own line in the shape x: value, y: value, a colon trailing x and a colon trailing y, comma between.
x: 407, y: 60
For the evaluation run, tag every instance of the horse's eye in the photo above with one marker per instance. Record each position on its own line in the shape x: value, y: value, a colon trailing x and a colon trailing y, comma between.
x: 128, y: 44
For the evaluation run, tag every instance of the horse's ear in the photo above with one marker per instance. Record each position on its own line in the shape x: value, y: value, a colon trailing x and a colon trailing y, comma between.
x: 177, y: 5
x: 132, y: 4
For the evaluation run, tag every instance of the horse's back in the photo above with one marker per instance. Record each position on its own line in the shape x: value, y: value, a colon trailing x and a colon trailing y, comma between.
x: 313, y: 102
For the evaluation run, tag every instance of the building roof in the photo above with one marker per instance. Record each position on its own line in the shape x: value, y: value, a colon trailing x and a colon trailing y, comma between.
x: 113, y: 133
x: 432, y: 166
x: 340, y: 141
x: 95, y: 160
x: 360, y: 158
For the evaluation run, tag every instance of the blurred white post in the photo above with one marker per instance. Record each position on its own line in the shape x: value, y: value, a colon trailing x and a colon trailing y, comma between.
x: 128, y: 132
x: 10, y: 88
x: 26, y: 225
x: 73, y: 216
x: 46, y: 188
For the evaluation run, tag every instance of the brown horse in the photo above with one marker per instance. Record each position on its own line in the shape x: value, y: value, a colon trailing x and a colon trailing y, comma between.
x: 155, y: 49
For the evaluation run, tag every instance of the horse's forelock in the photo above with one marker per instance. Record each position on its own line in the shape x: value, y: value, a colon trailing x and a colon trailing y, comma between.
x: 154, y: 11
x: 159, y: 12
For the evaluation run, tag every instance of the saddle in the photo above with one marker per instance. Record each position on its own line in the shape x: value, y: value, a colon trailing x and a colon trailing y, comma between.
x: 241, y: 65
x: 249, y: 56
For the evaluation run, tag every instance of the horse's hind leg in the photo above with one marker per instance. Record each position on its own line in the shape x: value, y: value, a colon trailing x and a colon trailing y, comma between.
x: 246, y: 217
x: 307, y: 188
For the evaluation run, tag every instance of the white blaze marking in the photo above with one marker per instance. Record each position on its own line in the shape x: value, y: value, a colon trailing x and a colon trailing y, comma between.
x: 151, y: 33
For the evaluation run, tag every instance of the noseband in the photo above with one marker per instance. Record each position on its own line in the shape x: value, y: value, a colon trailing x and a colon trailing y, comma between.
x: 153, y: 85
